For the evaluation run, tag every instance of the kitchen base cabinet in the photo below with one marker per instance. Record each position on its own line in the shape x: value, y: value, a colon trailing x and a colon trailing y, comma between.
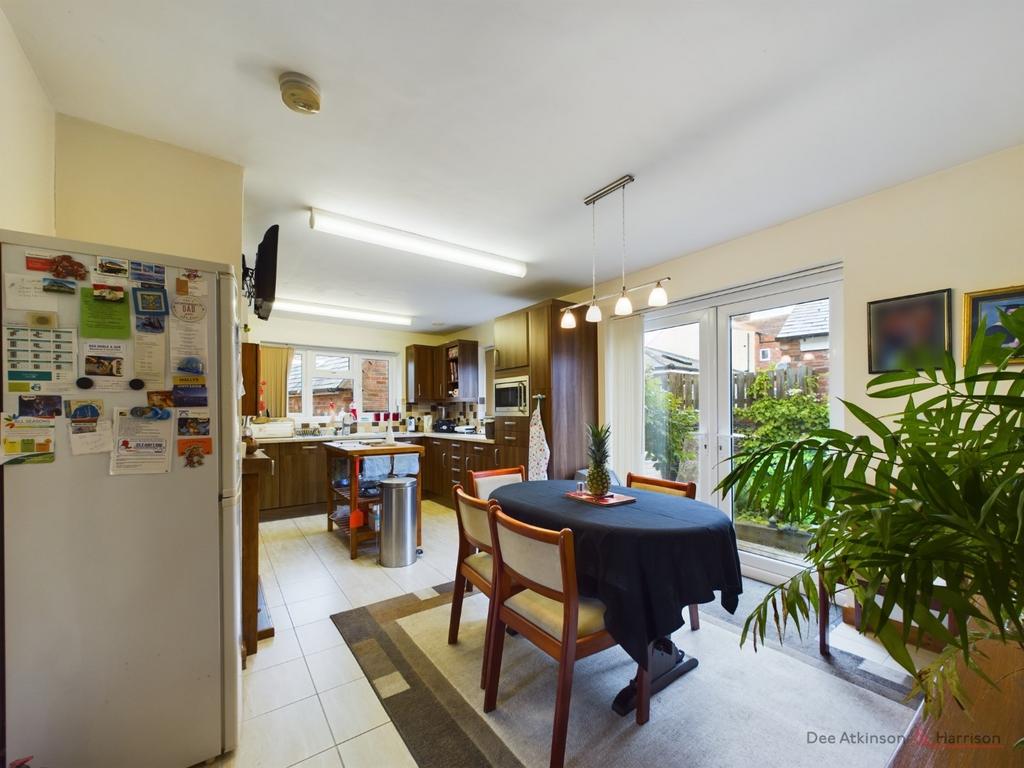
x: 299, y: 476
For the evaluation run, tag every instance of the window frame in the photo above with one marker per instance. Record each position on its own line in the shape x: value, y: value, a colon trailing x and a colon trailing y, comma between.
x: 356, y: 358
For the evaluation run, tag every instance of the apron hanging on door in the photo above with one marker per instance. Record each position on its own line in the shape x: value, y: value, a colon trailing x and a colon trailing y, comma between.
x: 539, y: 453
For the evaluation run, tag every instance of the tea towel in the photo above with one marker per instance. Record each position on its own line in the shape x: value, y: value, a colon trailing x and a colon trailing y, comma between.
x: 539, y: 452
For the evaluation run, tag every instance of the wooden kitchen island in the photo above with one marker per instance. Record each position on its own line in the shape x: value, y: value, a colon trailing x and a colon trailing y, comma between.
x: 346, y: 459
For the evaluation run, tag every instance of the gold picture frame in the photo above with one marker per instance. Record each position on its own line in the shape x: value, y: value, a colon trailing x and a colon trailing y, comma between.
x: 978, y: 302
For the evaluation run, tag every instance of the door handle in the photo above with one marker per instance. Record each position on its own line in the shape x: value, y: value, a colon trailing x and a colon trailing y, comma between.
x: 310, y: 447
x: 496, y: 457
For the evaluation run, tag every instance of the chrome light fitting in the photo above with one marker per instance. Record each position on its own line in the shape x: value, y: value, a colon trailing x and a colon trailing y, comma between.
x: 340, y: 313
x: 410, y: 242
x: 623, y: 306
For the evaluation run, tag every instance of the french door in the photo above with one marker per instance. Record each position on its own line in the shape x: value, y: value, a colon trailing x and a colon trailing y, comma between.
x: 740, y: 370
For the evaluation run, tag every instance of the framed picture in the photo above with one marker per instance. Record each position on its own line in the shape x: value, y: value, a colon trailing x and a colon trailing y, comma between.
x: 915, y: 330
x: 987, y: 304
x: 149, y: 301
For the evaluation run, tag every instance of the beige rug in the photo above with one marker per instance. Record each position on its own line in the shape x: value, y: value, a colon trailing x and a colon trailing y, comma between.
x: 737, y: 708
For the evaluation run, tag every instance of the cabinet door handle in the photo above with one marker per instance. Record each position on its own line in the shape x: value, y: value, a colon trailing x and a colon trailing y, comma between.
x: 495, y: 457
x: 480, y: 448
x: 510, y: 438
x: 509, y: 423
x: 310, y: 447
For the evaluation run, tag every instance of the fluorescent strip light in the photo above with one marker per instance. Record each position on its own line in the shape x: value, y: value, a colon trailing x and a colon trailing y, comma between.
x: 341, y: 313
x: 378, y: 234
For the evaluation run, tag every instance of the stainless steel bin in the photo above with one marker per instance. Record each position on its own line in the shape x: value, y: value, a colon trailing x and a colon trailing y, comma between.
x: 397, y: 522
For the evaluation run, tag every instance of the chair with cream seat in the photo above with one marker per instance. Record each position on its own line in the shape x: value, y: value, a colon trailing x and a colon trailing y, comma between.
x: 672, y: 488
x: 475, y: 562
x: 483, y: 482
x: 547, y: 610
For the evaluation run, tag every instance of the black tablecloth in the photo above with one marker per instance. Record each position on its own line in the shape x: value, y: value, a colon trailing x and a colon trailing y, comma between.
x: 645, y: 561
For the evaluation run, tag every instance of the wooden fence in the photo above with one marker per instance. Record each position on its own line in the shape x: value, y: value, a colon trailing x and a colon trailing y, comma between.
x: 685, y: 387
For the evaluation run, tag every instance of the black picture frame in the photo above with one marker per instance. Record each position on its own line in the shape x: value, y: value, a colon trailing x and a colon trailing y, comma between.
x: 917, y: 328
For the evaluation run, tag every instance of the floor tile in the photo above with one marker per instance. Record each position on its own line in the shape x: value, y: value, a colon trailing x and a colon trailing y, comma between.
x: 304, y: 589
x: 328, y: 759
x: 282, y: 647
x: 314, y: 609
x: 271, y: 589
x: 283, y: 737
x: 333, y: 667
x: 353, y: 709
x: 277, y: 686
x: 380, y: 747
x: 318, y: 636
x: 419, y: 575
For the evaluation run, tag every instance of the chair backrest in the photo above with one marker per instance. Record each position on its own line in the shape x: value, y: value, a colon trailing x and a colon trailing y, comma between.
x: 483, y: 483
x: 656, y: 484
x: 538, y: 558
x: 471, y: 514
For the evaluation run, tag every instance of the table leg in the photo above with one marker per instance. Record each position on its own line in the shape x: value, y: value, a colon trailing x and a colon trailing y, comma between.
x: 666, y: 663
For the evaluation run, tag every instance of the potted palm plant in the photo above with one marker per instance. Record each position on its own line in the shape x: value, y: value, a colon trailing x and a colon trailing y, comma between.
x: 923, y: 509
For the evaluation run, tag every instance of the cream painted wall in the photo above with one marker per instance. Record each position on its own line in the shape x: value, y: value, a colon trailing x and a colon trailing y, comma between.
x: 962, y: 228
x: 121, y: 189
x: 26, y: 142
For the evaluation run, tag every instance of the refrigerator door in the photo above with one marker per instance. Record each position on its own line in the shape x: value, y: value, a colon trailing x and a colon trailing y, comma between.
x: 118, y: 588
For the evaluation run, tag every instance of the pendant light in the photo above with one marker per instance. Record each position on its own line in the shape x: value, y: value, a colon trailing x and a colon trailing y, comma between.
x: 623, y: 306
x: 568, y: 319
x: 593, y: 311
x: 658, y: 297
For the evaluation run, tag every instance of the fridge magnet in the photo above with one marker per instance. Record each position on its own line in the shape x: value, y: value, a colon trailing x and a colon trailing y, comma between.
x: 188, y: 309
x: 150, y: 412
x: 191, y: 364
x: 108, y: 287
x: 103, y: 319
x: 912, y: 330
x: 149, y: 324
x: 68, y: 268
x: 141, y: 446
x: 36, y: 319
x: 42, y: 406
x: 190, y: 283
x: 987, y: 305
x: 26, y: 440
x: 113, y: 267
x: 142, y: 272
x: 193, y: 422
x: 26, y: 292
x: 38, y: 262
x: 58, y: 285
x: 84, y: 410
x: 189, y: 392
x: 194, y: 450
x: 149, y: 301
x: 161, y: 398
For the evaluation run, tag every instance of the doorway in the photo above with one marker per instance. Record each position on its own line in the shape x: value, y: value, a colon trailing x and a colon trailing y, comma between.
x: 736, y: 371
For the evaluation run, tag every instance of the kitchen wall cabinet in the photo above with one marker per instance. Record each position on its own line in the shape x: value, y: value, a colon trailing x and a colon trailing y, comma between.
x: 434, y: 373
x: 511, y: 341
x: 419, y: 374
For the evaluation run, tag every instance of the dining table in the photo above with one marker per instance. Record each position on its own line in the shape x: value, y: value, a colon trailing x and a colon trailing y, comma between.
x: 646, y: 561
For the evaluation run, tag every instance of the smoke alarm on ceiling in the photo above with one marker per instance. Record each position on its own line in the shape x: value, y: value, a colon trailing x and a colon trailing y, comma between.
x: 300, y: 93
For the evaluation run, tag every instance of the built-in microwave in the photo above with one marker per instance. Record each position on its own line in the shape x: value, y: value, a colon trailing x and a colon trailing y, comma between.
x: 512, y: 396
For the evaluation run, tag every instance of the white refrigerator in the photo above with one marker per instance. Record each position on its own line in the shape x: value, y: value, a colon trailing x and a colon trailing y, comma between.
x: 121, y: 592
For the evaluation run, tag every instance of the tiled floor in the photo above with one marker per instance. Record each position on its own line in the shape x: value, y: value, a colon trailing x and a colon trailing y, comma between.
x: 306, y: 701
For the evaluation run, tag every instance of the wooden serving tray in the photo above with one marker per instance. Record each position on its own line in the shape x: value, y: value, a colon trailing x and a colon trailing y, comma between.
x: 611, y: 500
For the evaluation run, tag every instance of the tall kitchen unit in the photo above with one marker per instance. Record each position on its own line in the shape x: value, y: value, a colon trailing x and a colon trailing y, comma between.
x: 121, y: 592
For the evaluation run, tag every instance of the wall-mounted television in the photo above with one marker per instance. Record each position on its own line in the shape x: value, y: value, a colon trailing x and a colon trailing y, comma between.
x: 260, y: 282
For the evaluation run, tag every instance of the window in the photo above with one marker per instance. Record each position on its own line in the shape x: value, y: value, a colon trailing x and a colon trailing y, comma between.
x: 318, y: 379
x: 765, y: 354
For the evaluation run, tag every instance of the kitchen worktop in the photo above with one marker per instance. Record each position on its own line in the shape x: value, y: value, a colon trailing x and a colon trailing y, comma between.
x: 375, y: 437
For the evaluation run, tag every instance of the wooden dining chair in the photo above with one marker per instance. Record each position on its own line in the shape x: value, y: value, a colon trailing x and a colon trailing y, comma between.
x: 483, y: 483
x: 475, y: 561
x: 547, y: 610
x: 674, y: 488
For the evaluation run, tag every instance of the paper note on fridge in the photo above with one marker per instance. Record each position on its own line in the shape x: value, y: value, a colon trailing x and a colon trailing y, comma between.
x: 26, y: 439
x: 26, y: 292
x: 101, y: 440
x: 40, y: 360
x: 141, y: 446
x: 107, y: 363
x: 103, y: 319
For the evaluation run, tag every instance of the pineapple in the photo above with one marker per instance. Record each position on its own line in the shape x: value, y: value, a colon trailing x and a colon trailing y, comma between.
x: 598, y: 481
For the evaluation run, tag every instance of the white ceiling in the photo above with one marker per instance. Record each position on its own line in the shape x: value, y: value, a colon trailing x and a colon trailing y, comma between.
x: 486, y: 123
